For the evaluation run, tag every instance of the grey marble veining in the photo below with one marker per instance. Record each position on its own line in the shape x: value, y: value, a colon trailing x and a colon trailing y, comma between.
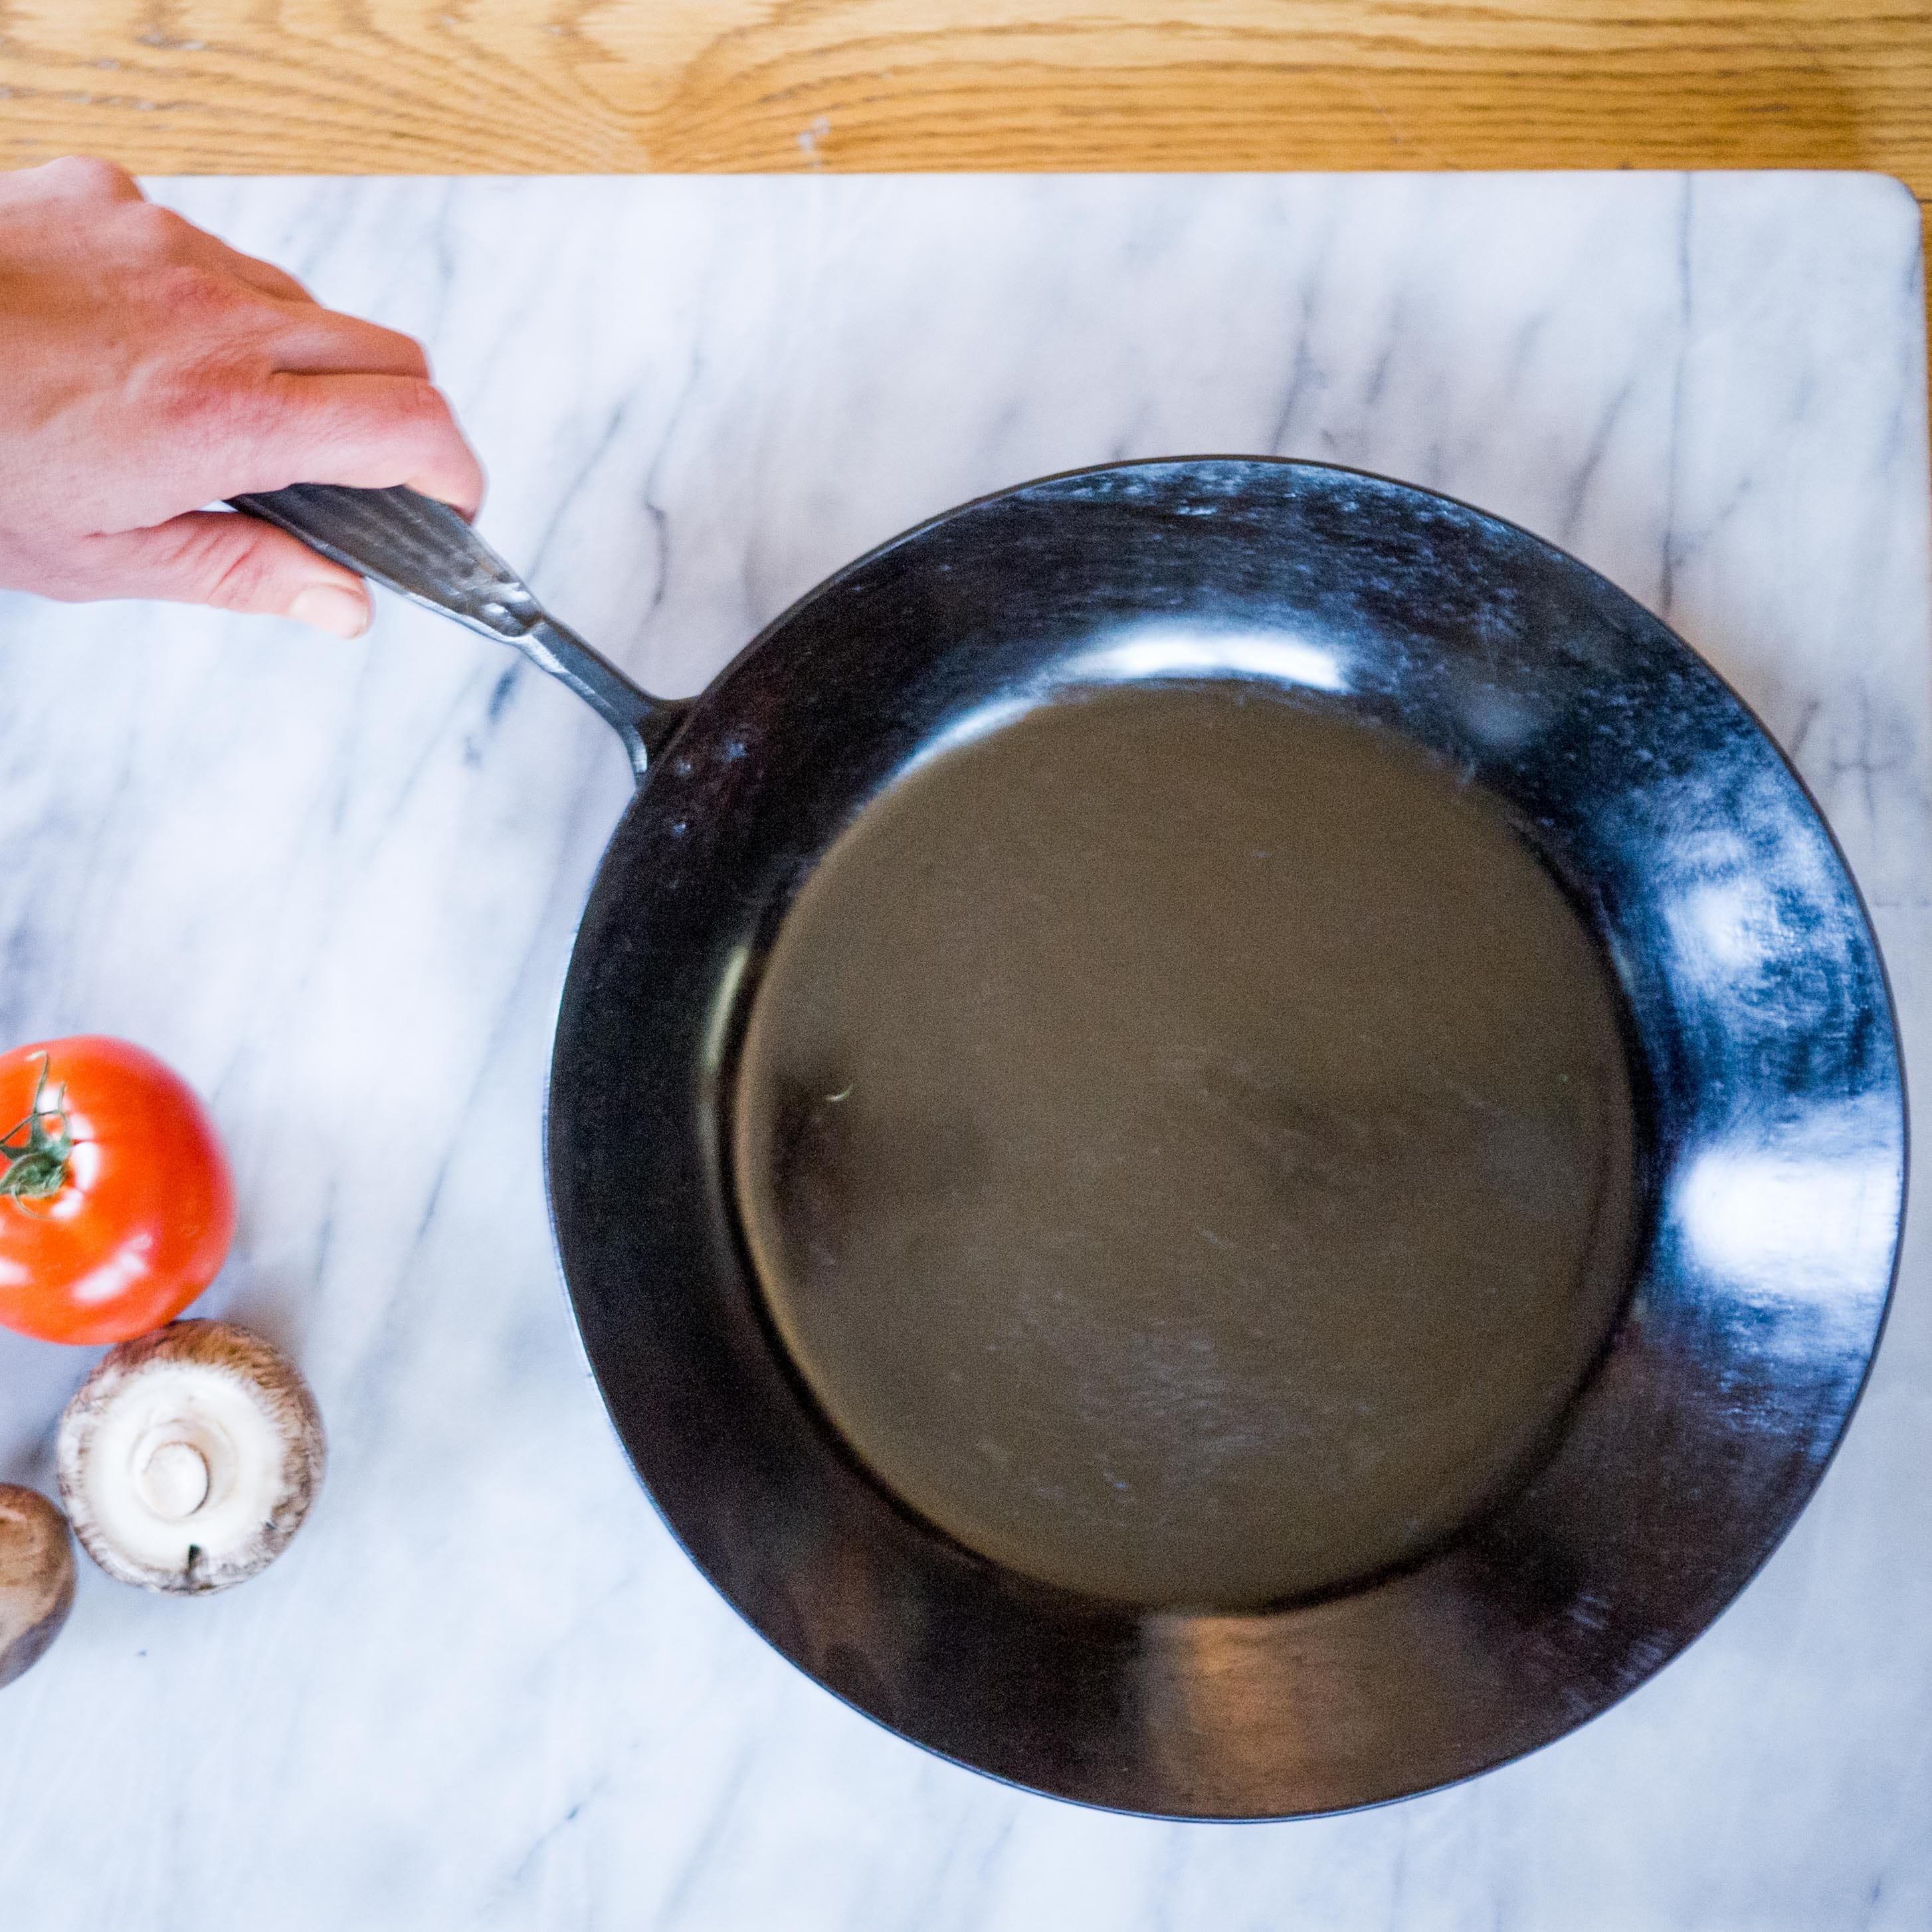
x: 336, y: 884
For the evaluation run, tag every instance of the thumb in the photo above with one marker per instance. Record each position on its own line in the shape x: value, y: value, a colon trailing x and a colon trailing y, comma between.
x: 232, y: 562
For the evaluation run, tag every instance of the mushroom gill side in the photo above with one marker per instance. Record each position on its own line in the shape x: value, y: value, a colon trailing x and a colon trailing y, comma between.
x: 190, y: 1457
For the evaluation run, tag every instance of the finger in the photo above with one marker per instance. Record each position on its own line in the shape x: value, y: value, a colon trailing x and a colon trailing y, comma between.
x: 232, y: 562
x: 85, y: 178
x: 262, y: 276
x: 313, y: 341
x: 371, y: 431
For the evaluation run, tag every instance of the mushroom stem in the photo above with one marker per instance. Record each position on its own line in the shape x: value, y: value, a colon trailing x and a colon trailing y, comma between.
x: 173, y: 1481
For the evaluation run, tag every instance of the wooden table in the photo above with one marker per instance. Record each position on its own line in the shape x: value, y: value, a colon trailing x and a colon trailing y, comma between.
x: 522, y: 86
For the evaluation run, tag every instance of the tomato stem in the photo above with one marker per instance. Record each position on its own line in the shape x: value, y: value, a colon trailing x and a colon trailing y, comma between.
x: 36, y: 1168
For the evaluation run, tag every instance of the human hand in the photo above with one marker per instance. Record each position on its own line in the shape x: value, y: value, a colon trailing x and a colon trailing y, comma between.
x: 147, y: 369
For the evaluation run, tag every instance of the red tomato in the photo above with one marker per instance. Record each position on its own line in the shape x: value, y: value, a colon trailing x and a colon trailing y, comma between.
x: 116, y: 1205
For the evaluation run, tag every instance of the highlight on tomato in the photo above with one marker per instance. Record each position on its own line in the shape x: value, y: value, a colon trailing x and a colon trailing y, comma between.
x: 117, y: 1208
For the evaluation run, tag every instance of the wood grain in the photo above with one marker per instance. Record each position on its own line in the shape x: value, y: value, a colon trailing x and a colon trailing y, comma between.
x: 554, y: 86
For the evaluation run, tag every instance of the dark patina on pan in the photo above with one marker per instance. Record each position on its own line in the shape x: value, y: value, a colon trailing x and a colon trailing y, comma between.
x: 1227, y: 1139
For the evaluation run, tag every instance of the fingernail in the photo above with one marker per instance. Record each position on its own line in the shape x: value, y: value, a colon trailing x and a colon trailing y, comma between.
x: 328, y: 607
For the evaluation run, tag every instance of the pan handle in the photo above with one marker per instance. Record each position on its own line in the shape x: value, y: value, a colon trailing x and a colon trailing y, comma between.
x: 428, y: 552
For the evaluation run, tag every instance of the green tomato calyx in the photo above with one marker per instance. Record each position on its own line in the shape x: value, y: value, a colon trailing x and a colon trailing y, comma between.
x: 36, y: 1153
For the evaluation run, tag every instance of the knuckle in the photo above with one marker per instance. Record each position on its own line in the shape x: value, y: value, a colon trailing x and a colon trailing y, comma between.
x: 87, y: 175
x: 409, y: 353
x: 241, y: 413
x: 408, y: 420
x: 193, y: 294
x: 214, y: 414
x: 225, y: 573
x: 160, y: 230
x: 414, y: 404
x: 432, y: 423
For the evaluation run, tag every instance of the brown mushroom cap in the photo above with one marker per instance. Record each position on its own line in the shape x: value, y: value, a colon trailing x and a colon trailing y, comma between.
x: 36, y: 1577
x: 190, y: 1457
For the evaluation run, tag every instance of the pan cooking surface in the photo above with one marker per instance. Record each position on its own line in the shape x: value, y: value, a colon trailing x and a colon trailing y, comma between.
x: 1185, y: 1143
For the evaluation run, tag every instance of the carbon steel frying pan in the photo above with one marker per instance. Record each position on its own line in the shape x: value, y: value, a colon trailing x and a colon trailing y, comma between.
x: 1227, y: 1139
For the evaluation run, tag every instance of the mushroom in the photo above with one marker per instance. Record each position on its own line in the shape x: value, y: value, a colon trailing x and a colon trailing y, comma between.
x: 190, y: 1457
x: 36, y: 1577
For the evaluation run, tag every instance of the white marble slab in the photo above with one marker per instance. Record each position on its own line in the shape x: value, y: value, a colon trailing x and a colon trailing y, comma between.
x: 335, y: 885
